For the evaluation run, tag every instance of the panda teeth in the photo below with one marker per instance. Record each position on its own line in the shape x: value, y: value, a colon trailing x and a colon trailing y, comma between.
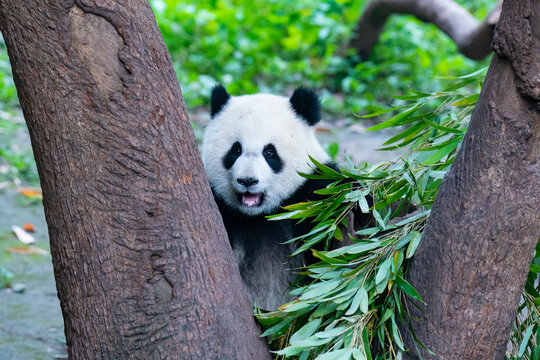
x: 249, y: 199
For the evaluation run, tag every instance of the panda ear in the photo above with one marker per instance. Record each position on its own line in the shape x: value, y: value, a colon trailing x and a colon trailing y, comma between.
x: 306, y: 104
x: 218, y: 99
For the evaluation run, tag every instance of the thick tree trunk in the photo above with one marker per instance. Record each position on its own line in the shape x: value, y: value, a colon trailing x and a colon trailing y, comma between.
x: 142, y: 263
x: 475, y: 253
x: 472, y: 38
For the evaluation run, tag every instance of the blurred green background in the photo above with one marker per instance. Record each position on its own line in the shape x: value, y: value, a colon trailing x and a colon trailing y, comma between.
x: 274, y: 46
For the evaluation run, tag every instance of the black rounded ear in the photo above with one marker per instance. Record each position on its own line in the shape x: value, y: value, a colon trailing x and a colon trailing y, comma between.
x: 306, y: 104
x: 218, y: 99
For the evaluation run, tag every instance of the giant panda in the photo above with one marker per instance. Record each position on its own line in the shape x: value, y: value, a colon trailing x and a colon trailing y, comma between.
x: 253, y: 149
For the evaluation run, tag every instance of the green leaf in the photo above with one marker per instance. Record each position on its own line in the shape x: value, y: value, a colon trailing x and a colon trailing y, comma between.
x: 379, y: 219
x: 305, y: 331
x: 328, y: 259
x: 525, y: 341
x: 337, y: 234
x: 283, y: 216
x: 326, y: 170
x: 381, y: 112
x: 333, y: 189
x: 331, y: 333
x: 319, y: 289
x: 308, y: 244
x: 437, y: 155
x: 290, y: 350
x: 364, y: 206
x: 469, y: 100
x: 384, y: 270
x: 296, y: 306
x: 305, y: 355
x: 413, y: 218
x: 313, y: 342
x: 443, y: 128
x: 395, y: 333
x: 341, y: 354
x: 367, y: 343
x: 408, y: 132
x: 395, y: 120
x: 368, y: 231
x: 358, y: 354
x: 387, y: 314
x: 276, y: 328
x: 408, y: 288
x: 361, y: 299
x: 362, y: 247
x: 413, y: 244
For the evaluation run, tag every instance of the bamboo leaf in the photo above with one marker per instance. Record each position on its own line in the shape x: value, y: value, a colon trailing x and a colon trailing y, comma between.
x: 469, y: 100
x: 395, y: 120
x: 408, y: 289
x: 440, y: 153
x: 341, y: 354
x: 362, y: 298
x: 319, y: 289
x: 384, y: 270
x: 525, y: 341
x: 413, y: 244
x: 305, y: 331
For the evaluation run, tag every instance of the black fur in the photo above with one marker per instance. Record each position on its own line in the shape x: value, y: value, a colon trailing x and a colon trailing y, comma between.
x: 272, y: 158
x: 230, y: 157
x: 306, y: 104
x: 265, y: 263
x: 218, y: 100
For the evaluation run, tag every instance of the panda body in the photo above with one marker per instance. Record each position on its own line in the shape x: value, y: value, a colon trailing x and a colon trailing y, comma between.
x: 253, y: 149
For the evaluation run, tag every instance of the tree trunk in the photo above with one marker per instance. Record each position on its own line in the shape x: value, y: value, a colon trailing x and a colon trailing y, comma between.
x: 473, y: 261
x: 472, y: 38
x: 141, y: 258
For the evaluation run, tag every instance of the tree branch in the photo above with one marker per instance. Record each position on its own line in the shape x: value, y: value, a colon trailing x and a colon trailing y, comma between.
x: 472, y: 263
x: 472, y: 38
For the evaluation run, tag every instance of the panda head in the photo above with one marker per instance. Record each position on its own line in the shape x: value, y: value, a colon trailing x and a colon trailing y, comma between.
x: 255, y: 145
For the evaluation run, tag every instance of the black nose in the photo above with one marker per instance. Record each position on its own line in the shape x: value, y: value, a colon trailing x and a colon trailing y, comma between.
x: 247, y: 181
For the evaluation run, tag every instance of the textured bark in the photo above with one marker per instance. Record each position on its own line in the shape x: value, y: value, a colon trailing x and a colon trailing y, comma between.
x: 141, y: 259
x: 472, y: 38
x: 472, y: 263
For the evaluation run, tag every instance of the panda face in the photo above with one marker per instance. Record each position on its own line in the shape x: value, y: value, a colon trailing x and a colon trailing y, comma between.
x: 255, y: 145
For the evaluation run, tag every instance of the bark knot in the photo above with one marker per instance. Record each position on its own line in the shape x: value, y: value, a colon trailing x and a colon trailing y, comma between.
x: 519, y: 42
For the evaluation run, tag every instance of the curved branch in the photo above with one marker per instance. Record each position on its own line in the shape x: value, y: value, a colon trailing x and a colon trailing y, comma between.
x: 472, y: 38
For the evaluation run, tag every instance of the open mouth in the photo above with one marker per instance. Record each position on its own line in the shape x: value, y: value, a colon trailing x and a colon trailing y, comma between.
x: 250, y: 199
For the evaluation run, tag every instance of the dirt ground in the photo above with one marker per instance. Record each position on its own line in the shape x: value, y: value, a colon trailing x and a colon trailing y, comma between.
x: 31, y: 325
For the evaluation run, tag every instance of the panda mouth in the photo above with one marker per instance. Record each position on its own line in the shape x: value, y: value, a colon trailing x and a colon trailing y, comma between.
x: 251, y: 199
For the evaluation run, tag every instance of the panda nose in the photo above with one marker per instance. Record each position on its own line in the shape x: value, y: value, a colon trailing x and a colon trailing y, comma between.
x: 247, y: 181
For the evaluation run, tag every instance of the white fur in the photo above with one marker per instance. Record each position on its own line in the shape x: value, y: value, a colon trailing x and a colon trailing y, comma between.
x: 255, y: 121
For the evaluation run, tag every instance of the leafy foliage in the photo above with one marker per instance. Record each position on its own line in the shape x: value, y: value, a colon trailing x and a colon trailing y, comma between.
x: 8, y: 93
x: 526, y: 332
x: 274, y: 46
x: 353, y: 297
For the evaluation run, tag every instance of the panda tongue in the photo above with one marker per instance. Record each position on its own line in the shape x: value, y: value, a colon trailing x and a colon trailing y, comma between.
x: 251, y: 199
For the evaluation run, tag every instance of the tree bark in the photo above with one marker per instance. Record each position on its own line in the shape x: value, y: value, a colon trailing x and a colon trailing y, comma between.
x: 473, y: 261
x: 472, y: 38
x: 143, y: 266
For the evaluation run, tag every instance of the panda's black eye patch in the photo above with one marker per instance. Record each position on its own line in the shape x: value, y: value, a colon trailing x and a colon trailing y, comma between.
x: 230, y: 157
x: 272, y: 158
